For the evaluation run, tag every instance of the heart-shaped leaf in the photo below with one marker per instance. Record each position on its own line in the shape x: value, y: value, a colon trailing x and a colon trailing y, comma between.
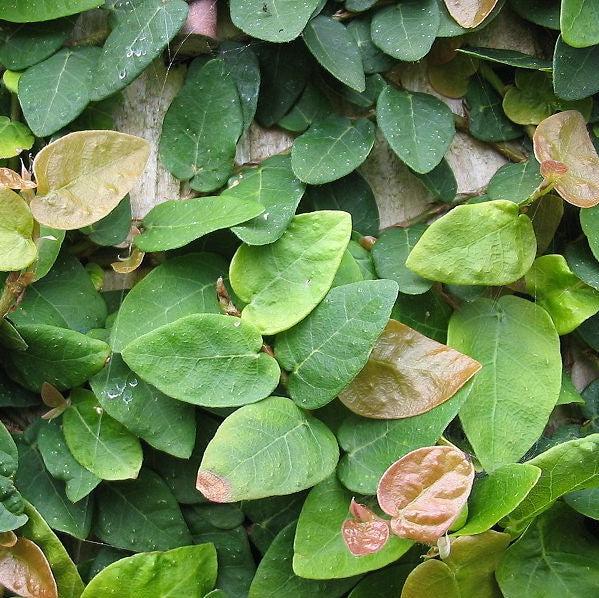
x: 407, y: 374
x: 425, y: 491
x: 82, y: 176
x: 563, y: 138
x: 365, y: 532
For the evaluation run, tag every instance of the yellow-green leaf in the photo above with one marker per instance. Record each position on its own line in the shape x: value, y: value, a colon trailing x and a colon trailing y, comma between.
x: 17, y: 249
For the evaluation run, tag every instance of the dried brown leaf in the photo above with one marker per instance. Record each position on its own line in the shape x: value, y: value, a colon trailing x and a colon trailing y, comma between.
x: 25, y: 571
x: 568, y: 158
x: 425, y: 491
x: 407, y: 374
x: 470, y: 13
x: 365, y: 533
x: 11, y: 180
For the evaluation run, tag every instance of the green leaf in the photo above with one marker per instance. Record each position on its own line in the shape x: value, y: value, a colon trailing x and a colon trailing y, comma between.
x: 496, y: 495
x: 275, y: 576
x: 165, y: 424
x: 47, y: 495
x: 407, y: 30
x: 14, y: 137
x: 175, y: 223
x: 65, y: 298
x: 546, y: 214
x: 428, y: 313
x: 468, y: 570
x: 54, y: 92
x: 319, y: 549
x: 135, y: 42
x: 205, y: 359
x: 98, y: 442
x: 489, y: 243
x: 273, y: 185
x: 579, y: 22
x: 188, y: 571
x: 61, y: 464
x: 267, y: 449
x: 351, y: 194
x: 509, y: 57
x: 486, y: 118
x: 389, y: 255
x: 331, y: 148
x: 42, y: 10
x: 10, y: 337
x: 8, y: 453
x: 582, y: 262
x: 491, y: 332
x: 541, y: 12
x: 48, y: 247
x: 567, y: 299
x: 371, y: 446
x: 336, y: 50
x: 140, y: 515
x: 179, y: 287
x: 13, y: 395
x: 64, y: 570
x: 17, y: 249
x: 418, y: 126
x: 83, y: 176
x: 272, y: 20
x: 440, y: 181
x: 565, y: 468
x: 557, y: 556
x: 324, y: 352
x: 62, y: 357
x: 515, y: 182
x: 113, y: 228
x: 574, y: 74
x: 373, y: 60
x: 284, y: 281
x: 22, y: 46
x: 568, y: 393
x: 187, y: 149
x: 584, y: 502
x: 312, y: 105
x: 589, y: 220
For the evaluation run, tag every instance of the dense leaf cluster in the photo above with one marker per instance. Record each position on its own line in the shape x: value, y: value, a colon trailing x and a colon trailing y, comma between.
x: 257, y: 390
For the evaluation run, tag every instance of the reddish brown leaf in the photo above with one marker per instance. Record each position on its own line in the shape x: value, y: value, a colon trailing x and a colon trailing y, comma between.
x: 568, y: 158
x: 366, y: 532
x: 53, y: 398
x: 470, y: 13
x: 9, y: 178
x: 25, y: 571
x: 8, y: 539
x: 407, y: 374
x: 425, y: 491
x: 214, y: 487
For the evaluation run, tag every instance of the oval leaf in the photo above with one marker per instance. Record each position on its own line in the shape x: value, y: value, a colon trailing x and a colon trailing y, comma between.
x: 470, y: 13
x: 425, y: 491
x: 407, y: 374
x: 282, y: 450
x: 82, y: 176
x: 364, y: 533
x: 17, y: 249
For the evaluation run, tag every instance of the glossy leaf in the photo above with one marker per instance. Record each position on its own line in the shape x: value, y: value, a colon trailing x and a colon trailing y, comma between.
x: 336, y: 50
x: 441, y: 182
x: 55, y: 92
x: 490, y: 331
x: 140, y: 515
x: 188, y: 358
x: 563, y: 138
x: 407, y: 30
x: 114, y: 228
x: 272, y: 20
x: 509, y: 57
x: 17, y: 249
x: 173, y: 224
x: 555, y: 557
x: 565, y: 468
x: 515, y: 182
x: 62, y: 357
x: 574, y: 76
x: 324, y: 352
x: 311, y: 106
x: 331, y: 148
x: 284, y: 281
x: 138, y: 38
x: 282, y: 450
x: 567, y: 299
x: 373, y: 59
x: 319, y: 549
x: 425, y: 491
x: 14, y: 137
x: 82, y: 176
x: 206, y: 160
x: 579, y: 22
x: 479, y: 244
x: 401, y: 113
x: 139, y: 406
x: 407, y: 374
x: 273, y: 185
x: 190, y: 570
x: 496, y: 495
